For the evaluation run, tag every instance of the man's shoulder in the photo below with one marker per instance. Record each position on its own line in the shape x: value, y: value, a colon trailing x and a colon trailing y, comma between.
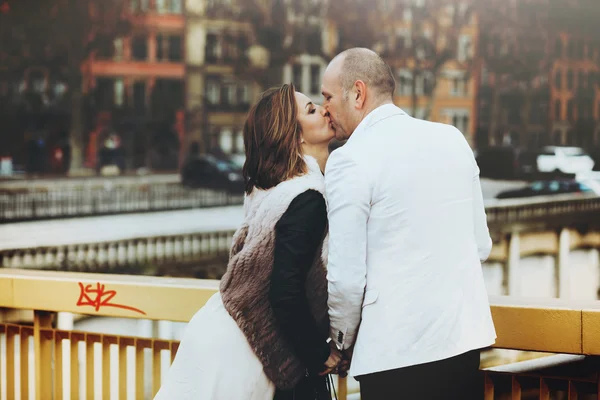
x: 433, y: 125
x: 347, y: 158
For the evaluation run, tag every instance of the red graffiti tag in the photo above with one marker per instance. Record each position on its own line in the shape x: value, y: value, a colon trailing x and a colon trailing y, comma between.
x: 100, y: 297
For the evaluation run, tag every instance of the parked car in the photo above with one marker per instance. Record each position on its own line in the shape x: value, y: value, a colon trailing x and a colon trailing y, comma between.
x: 505, y: 162
x: 208, y: 171
x: 567, y: 160
x: 545, y: 188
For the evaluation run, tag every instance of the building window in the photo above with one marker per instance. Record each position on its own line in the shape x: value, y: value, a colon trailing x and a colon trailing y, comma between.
x: 231, y: 94
x: 168, y: 6
x: 460, y: 119
x: 175, y: 48
x: 315, y: 79
x: 244, y: 93
x: 118, y: 49
x: 558, y: 79
x: 465, y: 124
x: 139, y: 97
x: 228, y: 94
x: 176, y: 6
x: 212, y: 48
x: 119, y: 92
x: 213, y: 94
x: 581, y: 80
x: 570, y: 110
x: 226, y: 140
x: 570, y: 78
x: 404, y: 83
x: 465, y: 48
x: 297, y: 76
x: 459, y: 87
x: 557, y: 110
x: 161, y: 6
x: 104, y: 93
x: 139, y: 48
x: 140, y: 5
x: 167, y: 95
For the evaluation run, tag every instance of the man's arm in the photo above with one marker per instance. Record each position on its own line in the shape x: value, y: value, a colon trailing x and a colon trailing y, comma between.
x: 482, y: 233
x: 349, y: 202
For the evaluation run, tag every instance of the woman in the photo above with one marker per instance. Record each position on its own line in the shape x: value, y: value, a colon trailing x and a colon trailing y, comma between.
x: 264, y: 335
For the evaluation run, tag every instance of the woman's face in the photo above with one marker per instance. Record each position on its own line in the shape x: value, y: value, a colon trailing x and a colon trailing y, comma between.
x: 314, y: 120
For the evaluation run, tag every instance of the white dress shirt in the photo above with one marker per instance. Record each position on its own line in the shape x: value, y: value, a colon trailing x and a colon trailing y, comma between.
x: 408, y: 232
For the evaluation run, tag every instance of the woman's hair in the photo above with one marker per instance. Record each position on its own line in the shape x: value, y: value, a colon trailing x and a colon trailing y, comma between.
x: 272, y: 140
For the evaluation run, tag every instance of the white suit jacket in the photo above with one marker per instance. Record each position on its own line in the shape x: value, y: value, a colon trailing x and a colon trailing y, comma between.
x: 408, y: 232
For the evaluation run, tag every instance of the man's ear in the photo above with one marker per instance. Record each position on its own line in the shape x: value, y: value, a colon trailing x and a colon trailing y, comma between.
x: 360, y: 94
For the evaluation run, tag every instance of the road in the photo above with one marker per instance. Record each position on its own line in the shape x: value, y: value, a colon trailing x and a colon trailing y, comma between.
x: 491, y: 188
x: 63, y: 232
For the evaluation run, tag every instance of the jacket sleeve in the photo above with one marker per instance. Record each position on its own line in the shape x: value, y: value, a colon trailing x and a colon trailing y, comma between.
x: 298, y: 235
x: 349, y: 201
x: 482, y: 234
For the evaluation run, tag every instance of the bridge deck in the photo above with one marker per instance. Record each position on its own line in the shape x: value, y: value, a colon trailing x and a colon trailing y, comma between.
x: 118, y: 227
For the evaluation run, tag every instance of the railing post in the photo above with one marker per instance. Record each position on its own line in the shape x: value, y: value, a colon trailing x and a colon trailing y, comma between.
x: 562, y: 265
x: 64, y: 321
x: 512, y: 281
x: 342, y: 388
x: 42, y: 347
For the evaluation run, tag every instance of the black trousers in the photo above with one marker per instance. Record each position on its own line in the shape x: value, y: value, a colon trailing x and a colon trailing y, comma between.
x: 455, y: 378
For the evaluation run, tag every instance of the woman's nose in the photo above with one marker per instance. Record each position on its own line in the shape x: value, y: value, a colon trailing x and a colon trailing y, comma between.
x: 323, y: 111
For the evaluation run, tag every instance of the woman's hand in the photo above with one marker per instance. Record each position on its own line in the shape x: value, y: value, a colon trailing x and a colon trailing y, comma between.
x: 335, y: 357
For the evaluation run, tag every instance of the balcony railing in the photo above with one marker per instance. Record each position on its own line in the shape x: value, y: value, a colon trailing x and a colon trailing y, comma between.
x: 52, y: 363
x: 546, y: 209
x: 45, y: 203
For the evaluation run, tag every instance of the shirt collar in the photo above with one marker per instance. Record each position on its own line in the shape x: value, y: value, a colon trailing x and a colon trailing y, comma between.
x: 380, y: 113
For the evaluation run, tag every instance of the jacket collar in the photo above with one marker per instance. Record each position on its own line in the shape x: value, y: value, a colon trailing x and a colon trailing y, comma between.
x: 379, y: 114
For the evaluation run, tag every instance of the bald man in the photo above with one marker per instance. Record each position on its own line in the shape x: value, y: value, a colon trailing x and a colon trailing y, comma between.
x: 407, y: 234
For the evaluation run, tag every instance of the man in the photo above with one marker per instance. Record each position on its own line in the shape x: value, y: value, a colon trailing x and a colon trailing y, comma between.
x: 407, y: 233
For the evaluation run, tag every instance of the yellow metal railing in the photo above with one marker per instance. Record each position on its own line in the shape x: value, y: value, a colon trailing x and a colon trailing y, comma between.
x: 50, y: 363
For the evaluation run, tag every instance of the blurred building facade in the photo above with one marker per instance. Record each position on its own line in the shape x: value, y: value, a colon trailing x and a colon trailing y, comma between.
x: 137, y: 87
x: 574, y: 91
x: 187, y: 72
x: 452, y: 98
x: 539, y: 77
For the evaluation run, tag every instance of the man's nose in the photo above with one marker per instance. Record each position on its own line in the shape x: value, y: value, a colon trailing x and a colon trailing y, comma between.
x: 324, y: 112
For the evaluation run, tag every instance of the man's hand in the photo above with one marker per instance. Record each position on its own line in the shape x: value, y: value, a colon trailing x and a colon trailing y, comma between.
x: 344, y: 365
x: 335, y: 357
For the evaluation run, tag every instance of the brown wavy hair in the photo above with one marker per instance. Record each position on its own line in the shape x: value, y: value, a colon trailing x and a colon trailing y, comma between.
x: 272, y: 140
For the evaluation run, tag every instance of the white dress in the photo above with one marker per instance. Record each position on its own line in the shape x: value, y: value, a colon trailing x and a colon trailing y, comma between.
x: 215, y: 361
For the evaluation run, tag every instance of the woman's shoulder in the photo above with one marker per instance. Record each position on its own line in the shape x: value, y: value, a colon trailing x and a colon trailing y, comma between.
x: 309, y: 197
x: 308, y: 204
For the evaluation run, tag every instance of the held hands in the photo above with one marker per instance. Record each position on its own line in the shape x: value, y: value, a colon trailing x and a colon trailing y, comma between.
x: 338, y: 362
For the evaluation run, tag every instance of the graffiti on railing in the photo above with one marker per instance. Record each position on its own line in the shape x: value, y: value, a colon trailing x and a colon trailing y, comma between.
x: 98, y: 297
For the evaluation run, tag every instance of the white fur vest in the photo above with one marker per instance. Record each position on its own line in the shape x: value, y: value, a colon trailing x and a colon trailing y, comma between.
x: 245, y: 285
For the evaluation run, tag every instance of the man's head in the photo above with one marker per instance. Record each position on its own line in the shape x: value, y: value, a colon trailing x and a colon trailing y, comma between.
x: 355, y: 82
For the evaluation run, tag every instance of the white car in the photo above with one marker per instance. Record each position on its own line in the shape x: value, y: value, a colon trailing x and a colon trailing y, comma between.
x: 568, y: 160
x: 591, y: 180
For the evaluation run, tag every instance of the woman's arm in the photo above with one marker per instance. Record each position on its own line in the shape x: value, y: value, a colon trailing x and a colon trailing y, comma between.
x: 298, y: 235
